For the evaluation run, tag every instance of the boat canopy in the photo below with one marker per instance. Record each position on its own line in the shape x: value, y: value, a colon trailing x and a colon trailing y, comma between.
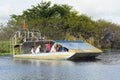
x: 75, y: 44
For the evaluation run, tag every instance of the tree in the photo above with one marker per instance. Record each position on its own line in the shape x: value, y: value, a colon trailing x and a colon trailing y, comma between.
x: 60, y: 21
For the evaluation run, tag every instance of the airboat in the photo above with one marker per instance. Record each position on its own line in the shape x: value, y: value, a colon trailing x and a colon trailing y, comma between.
x: 23, y: 41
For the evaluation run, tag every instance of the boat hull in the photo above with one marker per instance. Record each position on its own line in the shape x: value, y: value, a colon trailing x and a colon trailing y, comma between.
x: 58, y: 56
x: 84, y: 55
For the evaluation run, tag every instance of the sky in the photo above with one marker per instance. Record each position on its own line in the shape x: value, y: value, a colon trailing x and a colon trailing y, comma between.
x: 97, y: 9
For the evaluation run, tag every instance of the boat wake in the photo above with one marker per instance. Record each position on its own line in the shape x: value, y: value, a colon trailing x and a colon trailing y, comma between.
x: 110, y: 57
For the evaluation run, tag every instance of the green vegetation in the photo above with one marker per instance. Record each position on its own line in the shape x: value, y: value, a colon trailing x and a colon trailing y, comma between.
x: 62, y: 22
x: 4, y: 47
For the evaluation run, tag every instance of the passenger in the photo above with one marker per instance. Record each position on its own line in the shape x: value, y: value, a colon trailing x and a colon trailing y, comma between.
x: 38, y: 49
x: 62, y: 49
x: 33, y: 50
x: 65, y: 49
x: 57, y: 47
x: 48, y: 46
x: 53, y: 49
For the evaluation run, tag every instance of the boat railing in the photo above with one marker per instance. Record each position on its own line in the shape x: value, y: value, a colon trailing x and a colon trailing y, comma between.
x: 22, y: 36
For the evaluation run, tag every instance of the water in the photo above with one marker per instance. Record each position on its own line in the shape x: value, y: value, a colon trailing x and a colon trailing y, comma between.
x: 108, y: 68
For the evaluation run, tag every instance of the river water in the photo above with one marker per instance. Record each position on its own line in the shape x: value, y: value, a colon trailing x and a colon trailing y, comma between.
x: 106, y: 68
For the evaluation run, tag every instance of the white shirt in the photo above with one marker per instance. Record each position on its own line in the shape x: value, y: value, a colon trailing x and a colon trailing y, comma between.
x: 37, y: 50
x: 32, y: 51
x: 53, y: 48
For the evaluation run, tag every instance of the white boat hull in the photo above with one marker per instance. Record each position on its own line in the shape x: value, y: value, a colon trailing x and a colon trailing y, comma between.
x: 58, y: 55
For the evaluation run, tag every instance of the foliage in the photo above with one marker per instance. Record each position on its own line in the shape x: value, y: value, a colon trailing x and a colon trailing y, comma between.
x: 62, y: 22
x: 4, y: 46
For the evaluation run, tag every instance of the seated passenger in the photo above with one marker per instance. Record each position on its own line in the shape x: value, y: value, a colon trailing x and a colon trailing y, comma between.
x: 48, y: 46
x: 33, y: 50
x: 53, y: 49
x: 63, y: 49
x: 38, y: 49
x: 60, y: 49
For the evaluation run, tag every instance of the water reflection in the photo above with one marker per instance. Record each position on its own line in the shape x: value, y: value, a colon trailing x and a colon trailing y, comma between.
x: 38, y: 63
x: 48, y: 69
x: 106, y: 68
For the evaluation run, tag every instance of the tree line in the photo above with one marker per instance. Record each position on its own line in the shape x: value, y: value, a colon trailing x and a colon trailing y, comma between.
x: 60, y: 21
